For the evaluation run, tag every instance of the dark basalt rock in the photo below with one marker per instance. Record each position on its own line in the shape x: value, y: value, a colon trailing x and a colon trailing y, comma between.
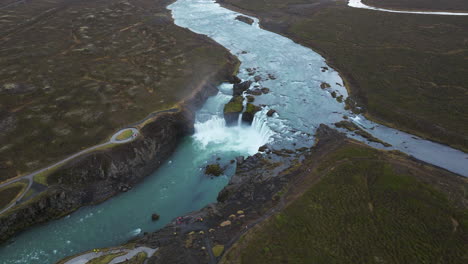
x: 240, y: 160
x: 154, y: 217
x: 255, y: 91
x: 271, y: 112
x: 245, y: 19
x: 249, y: 113
x: 232, y: 110
x: 234, y: 79
x: 264, y: 148
x: 239, y: 88
x: 325, y: 85
x: 265, y: 90
x: 258, y: 78
x: 214, y: 170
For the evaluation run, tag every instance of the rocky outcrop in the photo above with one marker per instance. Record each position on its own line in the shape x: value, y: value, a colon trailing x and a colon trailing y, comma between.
x: 245, y: 19
x: 233, y: 109
x: 249, y: 113
x: 248, y: 198
x: 239, y: 88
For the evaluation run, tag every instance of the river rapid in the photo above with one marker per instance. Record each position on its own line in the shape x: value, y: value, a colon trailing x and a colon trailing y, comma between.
x: 293, y: 74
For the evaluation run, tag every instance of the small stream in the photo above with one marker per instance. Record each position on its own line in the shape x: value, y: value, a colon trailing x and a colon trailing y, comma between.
x: 293, y: 74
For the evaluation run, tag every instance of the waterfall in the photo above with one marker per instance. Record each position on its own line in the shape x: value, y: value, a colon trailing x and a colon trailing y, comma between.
x: 260, y: 125
x: 212, y: 133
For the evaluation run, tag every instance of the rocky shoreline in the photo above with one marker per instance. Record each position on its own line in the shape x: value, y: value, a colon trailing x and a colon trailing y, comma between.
x: 252, y: 195
x: 96, y: 177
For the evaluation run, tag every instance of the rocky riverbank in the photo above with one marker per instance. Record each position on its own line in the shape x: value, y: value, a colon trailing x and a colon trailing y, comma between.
x: 266, y: 184
x: 95, y: 177
x: 252, y: 195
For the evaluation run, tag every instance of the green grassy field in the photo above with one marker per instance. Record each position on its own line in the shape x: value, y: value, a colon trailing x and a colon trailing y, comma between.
x: 408, y: 71
x: 72, y: 73
x: 432, y: 5
x: 125, y: 135
x: 367, y: 208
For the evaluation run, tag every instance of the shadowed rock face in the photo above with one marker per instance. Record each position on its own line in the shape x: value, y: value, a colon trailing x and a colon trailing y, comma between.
x: 74, y: 72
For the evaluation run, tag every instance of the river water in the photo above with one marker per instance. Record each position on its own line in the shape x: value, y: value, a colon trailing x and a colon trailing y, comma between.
x: 293, y: 74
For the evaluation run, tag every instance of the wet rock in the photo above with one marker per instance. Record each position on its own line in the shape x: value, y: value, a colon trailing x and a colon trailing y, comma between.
x: 264, y: 148
x: 232, y: 110
x: 245, y: 19
x: 325, y: 85
x: 333, y: 94
x: 239, y: 88
x: 271, y: 112
x: 249, y: 113
x: 271, y: 76
x: 154, y: 217
x: 265, y: 90
x: 324, y: 69
x: 213, y: 169
x: 234, y: 79
x: 250, y: 98
x: 255, y: 91
x: 240, y: 160
x: 258, y: 78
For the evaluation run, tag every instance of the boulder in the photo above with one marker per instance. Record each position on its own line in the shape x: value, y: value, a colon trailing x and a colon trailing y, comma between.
x: 249, y: 113
x: 258, y: 78
x: 239, y: 88
x: 263, y: 148
x: 271, y: 112
x: 213, y: 169
x: 250, y: 98
x: 265, y: 90
x: 325, y: 85
x: 245, y: 19
x: 234, y: 79
x: 255, y: 92
x: 155, y: 217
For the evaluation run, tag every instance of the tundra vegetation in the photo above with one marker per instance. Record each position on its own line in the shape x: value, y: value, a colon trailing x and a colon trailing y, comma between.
x: 368, y: 206
x: 73, y: 73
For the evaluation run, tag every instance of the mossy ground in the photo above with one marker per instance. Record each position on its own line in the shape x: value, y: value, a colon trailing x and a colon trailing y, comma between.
x: 137, y: 259
x: 106, y: 258
x: 214, y: 170
x: 408, y: 71
x: 235, y: 105
x: 73, y: 73
x: 366, y: 208
x: 10, y: 192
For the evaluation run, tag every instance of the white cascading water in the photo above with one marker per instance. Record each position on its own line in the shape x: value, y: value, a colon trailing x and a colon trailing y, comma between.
x: 211, y: 130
